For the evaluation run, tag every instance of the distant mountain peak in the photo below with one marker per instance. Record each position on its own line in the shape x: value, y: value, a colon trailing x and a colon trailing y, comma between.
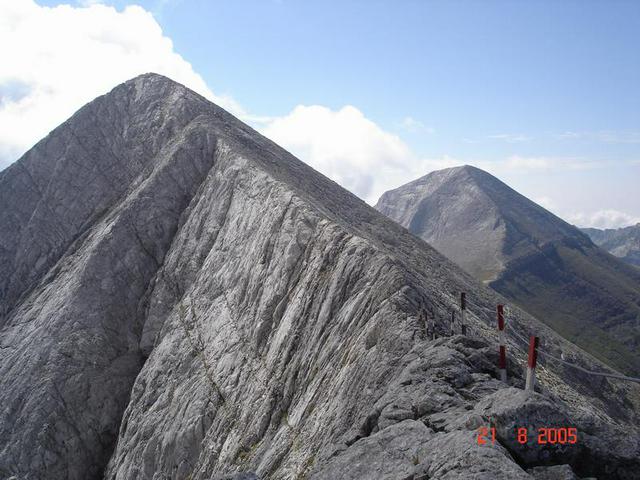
x: 152, y: 80
x: 461, y: 169
x: 461, y: 207
x: 538, y: 260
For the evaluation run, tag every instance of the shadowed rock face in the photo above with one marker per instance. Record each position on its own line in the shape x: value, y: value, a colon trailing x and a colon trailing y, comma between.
x: 624, y: 242
x: 181, y: 298
x: 535, y: 259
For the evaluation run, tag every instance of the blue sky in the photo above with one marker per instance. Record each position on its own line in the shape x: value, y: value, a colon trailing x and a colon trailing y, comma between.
x: 546, y: 95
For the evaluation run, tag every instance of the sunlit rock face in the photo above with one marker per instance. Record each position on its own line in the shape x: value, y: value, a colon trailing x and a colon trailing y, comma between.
x: 181, y: 298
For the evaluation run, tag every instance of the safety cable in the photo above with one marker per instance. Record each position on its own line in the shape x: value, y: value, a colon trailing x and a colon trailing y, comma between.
x: 573, y: 365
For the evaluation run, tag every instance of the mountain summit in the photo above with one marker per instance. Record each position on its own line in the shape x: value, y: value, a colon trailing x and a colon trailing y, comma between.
x: 474, y: 219
x: 545, y: 265
x: 182, y: 298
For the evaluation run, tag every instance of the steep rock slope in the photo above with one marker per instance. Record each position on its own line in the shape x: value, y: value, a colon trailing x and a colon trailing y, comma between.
x: 182, y: 298
x: 623, y: 242
x: 534, y: 258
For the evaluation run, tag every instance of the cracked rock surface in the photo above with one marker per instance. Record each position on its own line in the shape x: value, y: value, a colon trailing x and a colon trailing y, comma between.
x: 181, y: 298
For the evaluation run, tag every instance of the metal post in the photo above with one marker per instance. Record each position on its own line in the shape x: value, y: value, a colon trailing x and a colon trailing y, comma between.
x: 531, y: 365
x: 502, y: 361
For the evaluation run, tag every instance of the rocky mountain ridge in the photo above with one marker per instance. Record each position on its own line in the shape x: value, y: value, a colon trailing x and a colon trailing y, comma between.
x: 182, y: 298
x: 535, y: 259
x: 623, y: 242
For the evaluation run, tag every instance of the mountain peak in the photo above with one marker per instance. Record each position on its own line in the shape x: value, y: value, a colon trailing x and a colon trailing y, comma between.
x: 473, y: 176
x: 155, y: 83
x: 467, y: 175
x: 450, y: 208
x: 152, y: 76
x: 460, y: 169
x: 168, y: 273
x: 153, y: 80
x: 148, y: 83
x: 523, y: 251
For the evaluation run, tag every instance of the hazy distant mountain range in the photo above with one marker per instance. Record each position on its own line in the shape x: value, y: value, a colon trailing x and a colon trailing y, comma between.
x: 181, y: 298
x: 540, y: 262
x: 624, y: 242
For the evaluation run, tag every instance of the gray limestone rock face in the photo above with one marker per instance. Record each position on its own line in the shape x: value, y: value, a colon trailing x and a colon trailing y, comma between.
x: 73, y: 299
x: 557, y: 472
x: 599, y: 449
x: 457, y: 456
x: 181, y: 298
x: 398, y: 451
x: 513, y: 409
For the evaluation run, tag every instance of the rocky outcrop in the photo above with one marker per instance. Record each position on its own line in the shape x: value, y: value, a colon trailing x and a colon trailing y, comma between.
x: 108, y: 202
x: 529, y: 255
x: 182, y: 298
x: 557, y: 472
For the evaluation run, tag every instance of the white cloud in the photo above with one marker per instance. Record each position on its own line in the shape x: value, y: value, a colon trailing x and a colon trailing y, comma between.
x: 351, y: 149
x: 516, y: 162
x: 425, y: 165
x: 54, y: 60
x: 503, y: 137
x: 63, y: 57
x: 510, y: 137
x: 522, y: 164
x: 545, y: 202
x: 605, y: 136
x: 603, y: 219
x: 629, y: 137
x: 568, y: 135
x: 412, y: 125
x: 346, y: 146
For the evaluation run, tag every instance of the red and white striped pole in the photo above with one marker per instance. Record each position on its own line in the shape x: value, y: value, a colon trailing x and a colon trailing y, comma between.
x: 502, y: 361
x: 531, y: 366
x: 463, y: 307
